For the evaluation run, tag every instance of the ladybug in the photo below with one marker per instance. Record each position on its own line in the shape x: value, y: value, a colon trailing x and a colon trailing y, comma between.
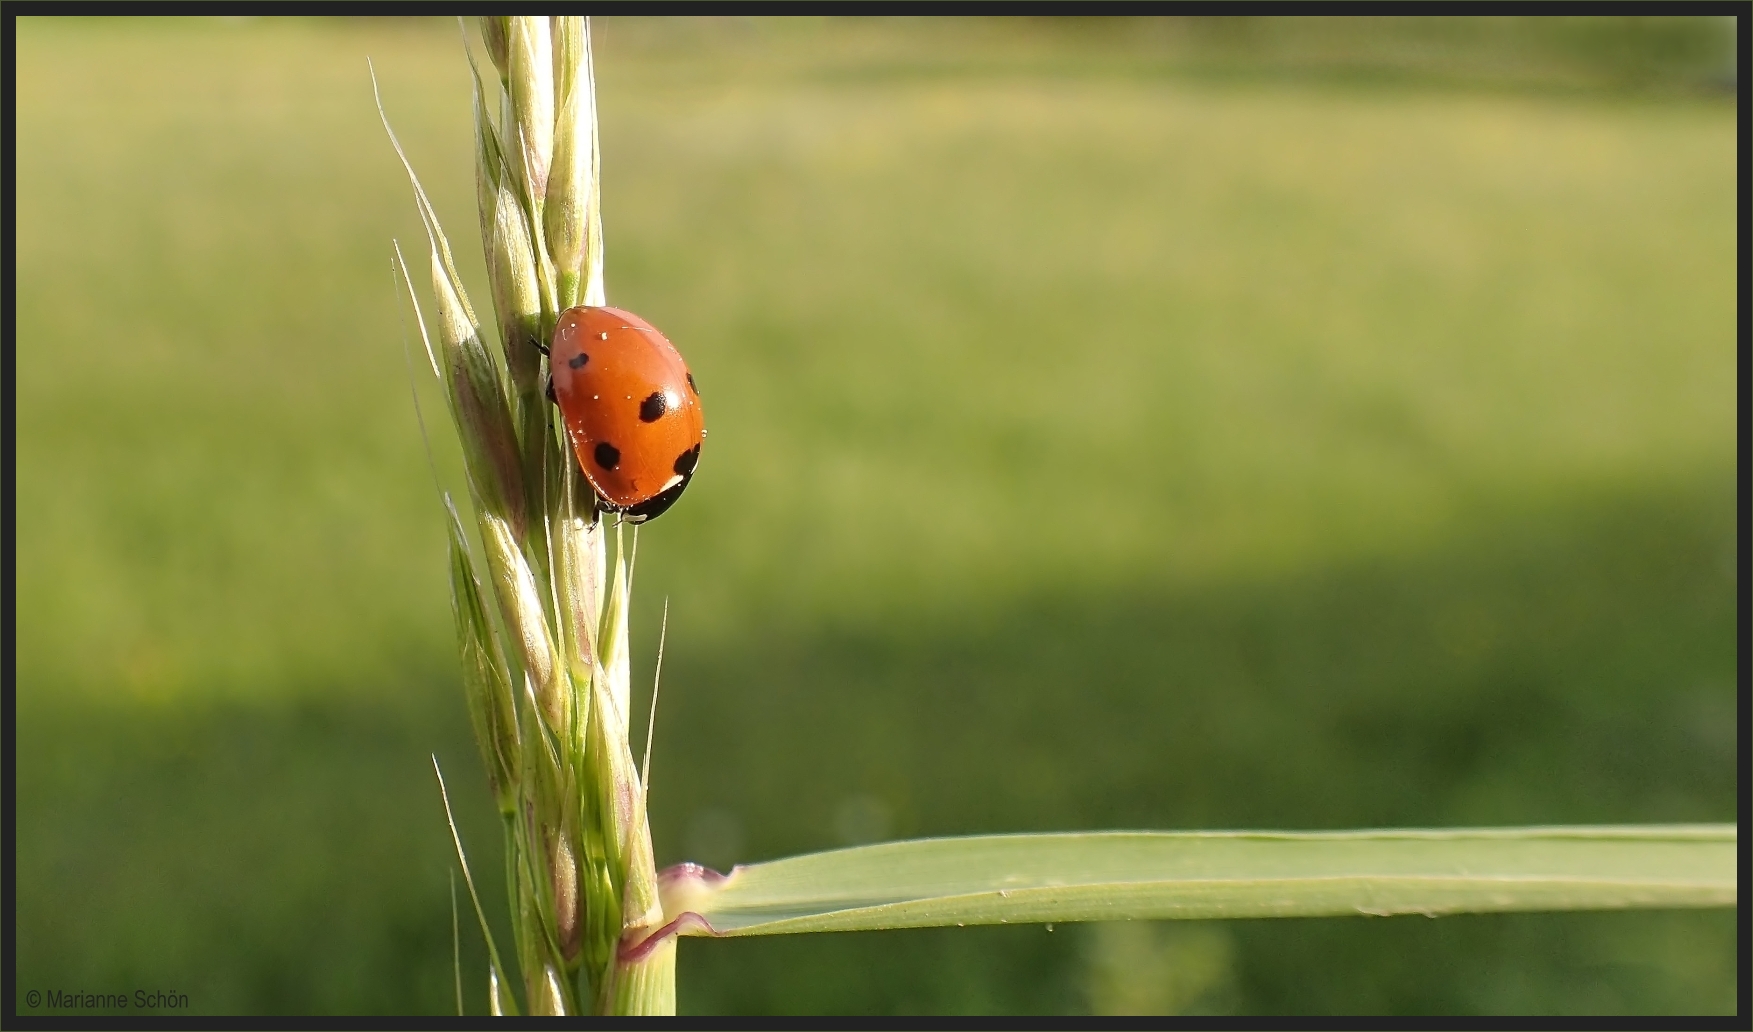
x: 630, y: 407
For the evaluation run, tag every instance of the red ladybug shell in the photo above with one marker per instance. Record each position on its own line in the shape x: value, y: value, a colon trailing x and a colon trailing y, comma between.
x: 630, y: 406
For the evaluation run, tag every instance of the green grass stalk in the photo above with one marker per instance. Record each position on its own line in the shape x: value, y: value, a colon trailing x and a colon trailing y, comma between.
x: 549, y: 711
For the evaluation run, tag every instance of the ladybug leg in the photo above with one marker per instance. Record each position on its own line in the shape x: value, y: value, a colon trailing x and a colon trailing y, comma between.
x: 536, y: 343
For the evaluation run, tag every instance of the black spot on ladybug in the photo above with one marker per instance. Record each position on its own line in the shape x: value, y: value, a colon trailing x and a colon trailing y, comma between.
x: 686, y: 461
x: 607, y: 455
x: 577, y: 361
x: 691, y: 386
x: 652, y: 408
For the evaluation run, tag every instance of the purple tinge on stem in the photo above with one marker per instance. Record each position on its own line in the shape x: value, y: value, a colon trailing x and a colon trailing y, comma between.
x: 681, y: 887
x: 633, y: 950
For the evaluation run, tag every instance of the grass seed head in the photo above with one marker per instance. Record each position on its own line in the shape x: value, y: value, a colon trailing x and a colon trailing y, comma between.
x: 530, y: 82
x: 582, y: 577
x: 486, y: 677
x: 520, y: 602
x: 602, y: 914
x: 517, y: 299
x: 548, y: 685
x: 571, y: 197
x: 563, y: 869
x: 478, y: 403
x: 496, y: 35
x: 547, y: 995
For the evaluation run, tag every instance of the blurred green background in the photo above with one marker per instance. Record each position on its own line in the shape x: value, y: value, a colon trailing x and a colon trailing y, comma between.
x: 1138, y: 424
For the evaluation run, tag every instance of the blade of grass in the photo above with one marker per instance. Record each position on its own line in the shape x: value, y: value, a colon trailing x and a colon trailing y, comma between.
x: 456, y: 943
x: 1130, y: 875
x: 663, y: 631
x: 434, y: 233
x: 468, y: 880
